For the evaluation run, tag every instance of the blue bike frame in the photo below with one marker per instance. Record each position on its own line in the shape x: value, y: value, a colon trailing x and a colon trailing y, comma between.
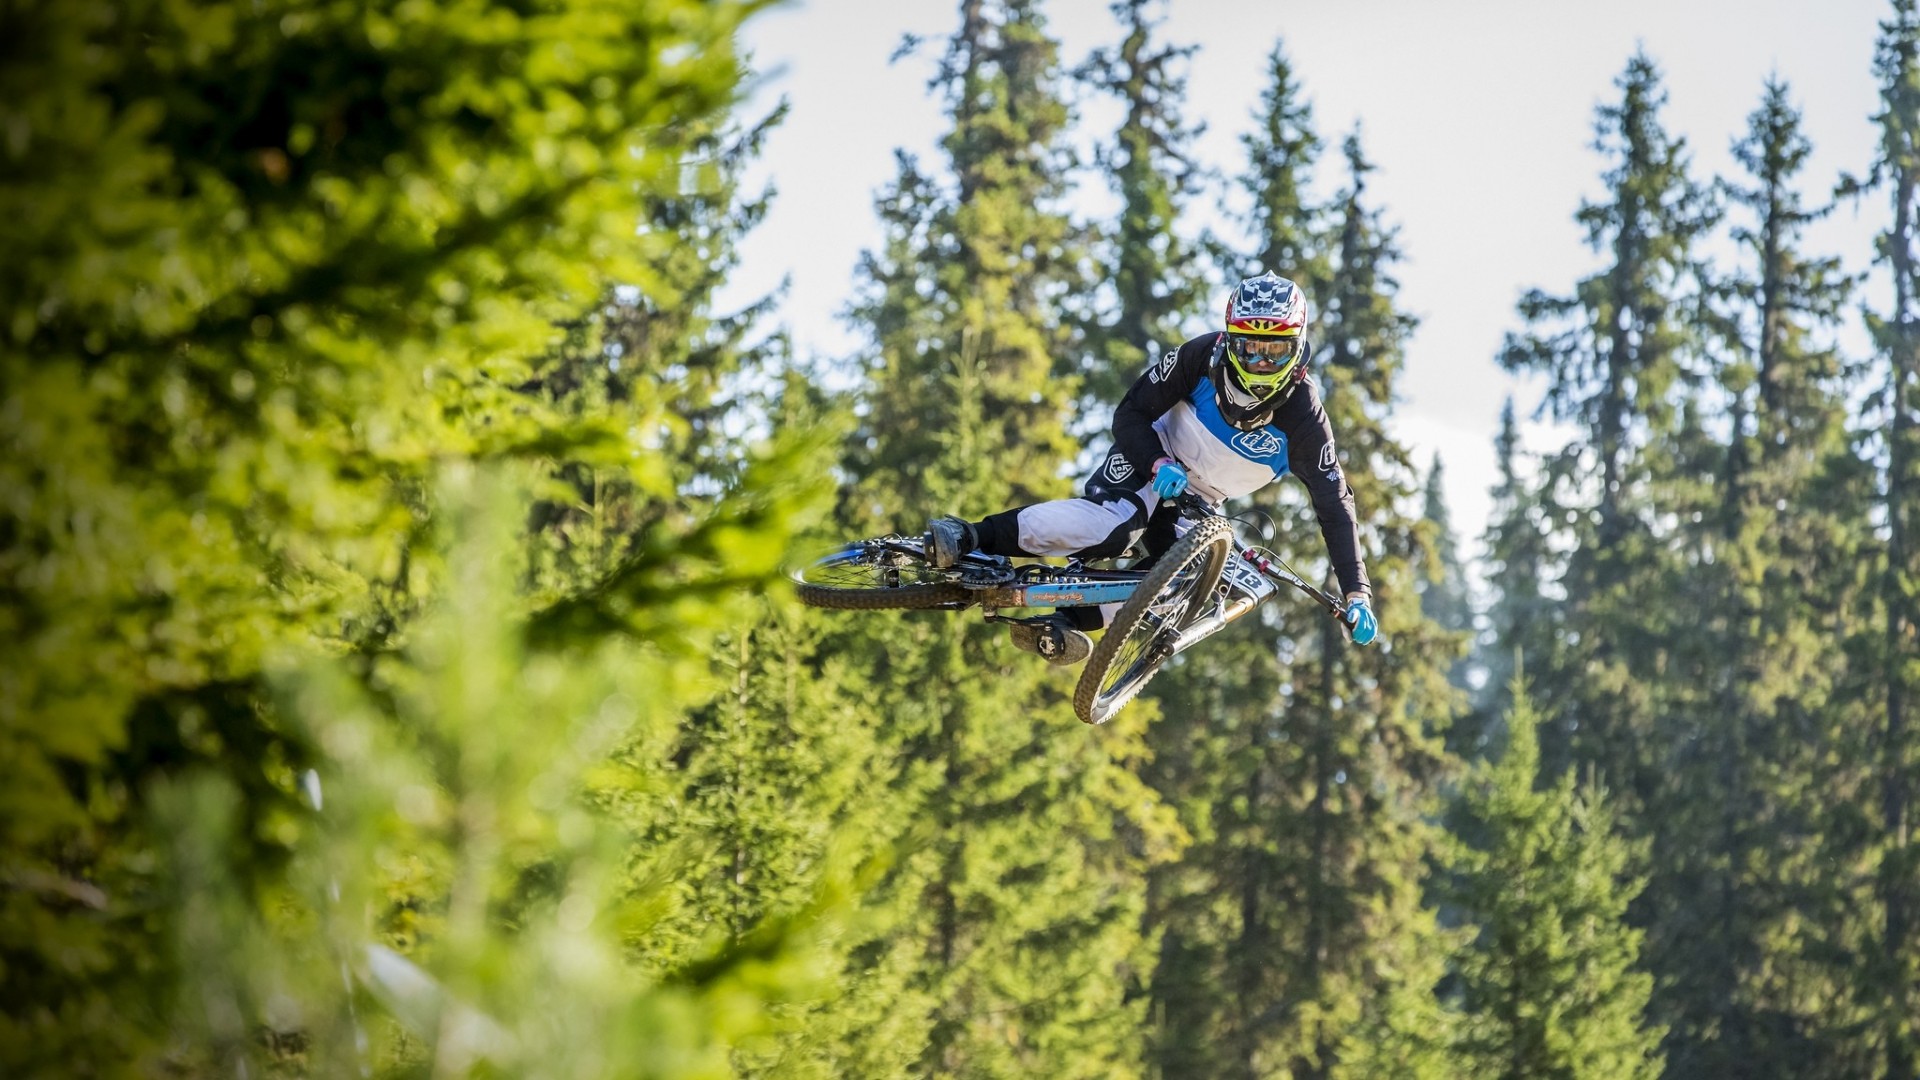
x: 1249, y: 579
x: 1081, y: 595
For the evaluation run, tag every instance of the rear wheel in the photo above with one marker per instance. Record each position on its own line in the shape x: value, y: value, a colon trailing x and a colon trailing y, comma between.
x: 888, y: 572
x: 1143, y: 631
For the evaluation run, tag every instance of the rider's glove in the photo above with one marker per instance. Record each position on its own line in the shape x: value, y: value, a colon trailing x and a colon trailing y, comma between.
x: 1361, y: 625
x: 1169, y: 479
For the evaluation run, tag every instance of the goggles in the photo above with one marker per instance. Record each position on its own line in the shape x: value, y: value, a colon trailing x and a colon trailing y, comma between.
x: 1264, y: 355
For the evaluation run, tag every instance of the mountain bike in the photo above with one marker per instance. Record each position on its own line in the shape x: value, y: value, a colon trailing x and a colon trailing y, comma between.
x: 1205, y: 580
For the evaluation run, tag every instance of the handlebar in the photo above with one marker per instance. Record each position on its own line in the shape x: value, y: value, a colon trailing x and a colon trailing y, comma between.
x: 1273, y: 566
x: 1193, y: 506
x: 1264, y: 561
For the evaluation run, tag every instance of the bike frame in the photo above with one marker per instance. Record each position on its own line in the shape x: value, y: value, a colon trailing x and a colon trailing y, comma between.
x: 1251, y: 577
x: 1098, y: 587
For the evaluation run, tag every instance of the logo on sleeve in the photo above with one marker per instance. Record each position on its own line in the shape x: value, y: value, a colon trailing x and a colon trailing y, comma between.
x: 1118, y: 469
x: 1160, y: 371
x: 1328, y: 463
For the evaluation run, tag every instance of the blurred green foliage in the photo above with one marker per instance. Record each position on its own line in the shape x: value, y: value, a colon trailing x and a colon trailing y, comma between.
x: 463, y: 802
x: 276, y: 274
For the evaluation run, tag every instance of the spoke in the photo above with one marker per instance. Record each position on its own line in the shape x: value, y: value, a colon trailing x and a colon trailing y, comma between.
x: 873, y: 568
x: 1125, y: 666
x: 1155, y: 623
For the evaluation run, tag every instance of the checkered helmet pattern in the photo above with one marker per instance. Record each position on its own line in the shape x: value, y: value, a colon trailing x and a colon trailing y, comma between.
x: 1267, y: 305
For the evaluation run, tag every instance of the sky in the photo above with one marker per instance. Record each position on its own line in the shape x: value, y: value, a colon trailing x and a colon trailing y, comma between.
x: 1478, y: 114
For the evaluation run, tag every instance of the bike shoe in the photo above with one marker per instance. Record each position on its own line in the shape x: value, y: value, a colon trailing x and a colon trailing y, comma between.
x: 1051, y: 637
x: 947, y: 539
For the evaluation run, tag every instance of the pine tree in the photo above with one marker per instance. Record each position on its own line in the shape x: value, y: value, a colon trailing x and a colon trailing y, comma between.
x: 1520, y: 616
x: 1372, y: 719
x: 1754, y: 686
x: 1547, y: 986
x: 1614, y: 355
x: 1023, y: 874
x: 1157, y: 285
x: 1444, y: 590
x: 1893, y: 985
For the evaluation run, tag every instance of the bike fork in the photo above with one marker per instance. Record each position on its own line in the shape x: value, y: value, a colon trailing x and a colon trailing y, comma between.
x: 1242, y: 588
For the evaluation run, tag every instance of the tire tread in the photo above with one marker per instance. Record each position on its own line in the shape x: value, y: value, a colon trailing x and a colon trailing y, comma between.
x: 1210, y: 538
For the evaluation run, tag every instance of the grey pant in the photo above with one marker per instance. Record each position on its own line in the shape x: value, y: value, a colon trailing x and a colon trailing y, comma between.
x: 1100, y: 524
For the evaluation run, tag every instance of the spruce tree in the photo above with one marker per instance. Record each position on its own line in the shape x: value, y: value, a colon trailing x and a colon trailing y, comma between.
x: 1624, y: 359
x: 1294, y: 933
x: 666, y: 343
x: 778, y: 801
x: 1756, y: 686
x: 1280, y: 155
x: 1614, y: 353
x: 1520, y: 615
x: 1224, y: 754
x: 775, y: 792
x: 1371, y: 720
x: 1444, y: 594
x: 1893, y: 986
x: 1158, y: 285
x: 1023, y: 875
x: 1548, y: 984
x: 968, y: 289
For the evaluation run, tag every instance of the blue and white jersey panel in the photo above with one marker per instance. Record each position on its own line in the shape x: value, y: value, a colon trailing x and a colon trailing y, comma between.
x: 1222, y: 461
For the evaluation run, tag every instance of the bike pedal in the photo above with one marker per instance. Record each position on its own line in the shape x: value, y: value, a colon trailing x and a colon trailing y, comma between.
x: 1048, y: 639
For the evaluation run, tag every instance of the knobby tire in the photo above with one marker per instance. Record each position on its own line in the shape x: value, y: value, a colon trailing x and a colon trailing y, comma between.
x: 888, y: 573
x: 1139, y: 631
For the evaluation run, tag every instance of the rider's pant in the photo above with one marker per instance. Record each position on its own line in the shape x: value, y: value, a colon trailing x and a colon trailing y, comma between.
x: 1100, y: 524
x: 1109, y: 518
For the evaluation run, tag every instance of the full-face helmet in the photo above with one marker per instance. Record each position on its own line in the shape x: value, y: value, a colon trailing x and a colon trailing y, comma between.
x: 1265, y: 349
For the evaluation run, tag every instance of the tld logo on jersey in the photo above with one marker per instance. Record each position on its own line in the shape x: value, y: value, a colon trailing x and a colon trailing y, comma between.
x: 1160, y: 371
x: 1258, y: 443
x: 1328, y: 463
x: 1118, y: 469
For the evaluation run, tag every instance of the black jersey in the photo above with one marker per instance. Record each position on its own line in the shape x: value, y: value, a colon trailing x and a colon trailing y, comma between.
x: 1171, y: 411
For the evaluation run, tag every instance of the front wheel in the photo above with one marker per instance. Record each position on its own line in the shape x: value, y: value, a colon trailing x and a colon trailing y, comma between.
x: 1143, y: 631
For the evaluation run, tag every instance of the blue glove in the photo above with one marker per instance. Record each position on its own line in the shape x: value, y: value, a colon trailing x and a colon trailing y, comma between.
x: 1361, y: 625
x: 1169, y: 479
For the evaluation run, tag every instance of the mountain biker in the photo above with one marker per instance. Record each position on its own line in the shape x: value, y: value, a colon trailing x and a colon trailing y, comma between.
x: 1223, y: 415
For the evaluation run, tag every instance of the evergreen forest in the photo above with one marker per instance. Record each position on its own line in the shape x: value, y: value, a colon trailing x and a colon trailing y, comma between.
x: 400, y: 675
